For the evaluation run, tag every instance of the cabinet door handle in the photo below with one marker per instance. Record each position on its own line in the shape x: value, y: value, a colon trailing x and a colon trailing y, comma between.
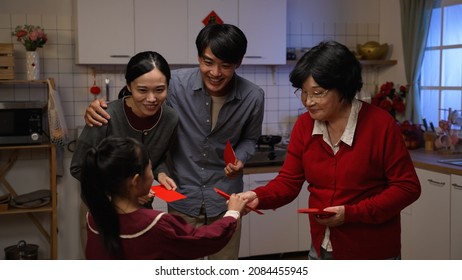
x: 457, y: 186
x: 253, y: 56
x: 119, y: 55
x: 431, y: 181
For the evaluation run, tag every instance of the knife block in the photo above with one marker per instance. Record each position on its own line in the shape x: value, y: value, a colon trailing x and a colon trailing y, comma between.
x: 429, y: 139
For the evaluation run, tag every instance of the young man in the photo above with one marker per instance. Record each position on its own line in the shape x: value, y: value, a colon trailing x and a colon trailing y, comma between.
x: 214, y: 105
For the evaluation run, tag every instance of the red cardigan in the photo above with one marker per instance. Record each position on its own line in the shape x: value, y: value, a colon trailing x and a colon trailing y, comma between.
x: 374, y: 179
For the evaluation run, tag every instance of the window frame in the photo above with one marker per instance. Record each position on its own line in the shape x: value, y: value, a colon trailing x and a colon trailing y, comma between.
x: 439, y: 89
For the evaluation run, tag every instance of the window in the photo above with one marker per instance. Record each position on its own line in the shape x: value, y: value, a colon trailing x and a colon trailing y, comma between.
x: 441, y: 72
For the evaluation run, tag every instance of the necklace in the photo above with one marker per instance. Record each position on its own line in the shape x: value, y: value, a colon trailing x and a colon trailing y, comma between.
x: 124, y: 206
x: 334, y: 135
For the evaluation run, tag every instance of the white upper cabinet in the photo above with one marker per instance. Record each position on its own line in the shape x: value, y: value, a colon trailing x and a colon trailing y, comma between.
x: 264, y: 22
x: 111, y: 31
x: 104, y: 31
x: 162, y: 26
x: 200, y: 10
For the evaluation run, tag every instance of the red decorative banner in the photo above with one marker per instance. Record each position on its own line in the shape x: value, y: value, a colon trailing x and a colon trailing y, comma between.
x: 212, y: 18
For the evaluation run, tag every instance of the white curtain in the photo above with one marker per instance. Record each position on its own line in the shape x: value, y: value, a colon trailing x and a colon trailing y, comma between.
x: 415, y: 23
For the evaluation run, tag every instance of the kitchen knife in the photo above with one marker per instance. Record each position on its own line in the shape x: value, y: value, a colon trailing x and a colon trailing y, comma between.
x: 425, y: 125
x: 106, y: 81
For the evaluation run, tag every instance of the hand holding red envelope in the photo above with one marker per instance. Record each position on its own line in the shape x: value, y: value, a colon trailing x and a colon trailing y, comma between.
x: 166, y: 195
x: 225, y: 195
x: 229, y: 155
x: 317, y: 212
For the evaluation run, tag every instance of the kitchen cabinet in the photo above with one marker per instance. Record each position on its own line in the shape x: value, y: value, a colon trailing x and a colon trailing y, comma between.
x: 162, y: 26
x: 426, y: 222
x: 170, y: 27
x: 456, y: 220
x: 104, y: 31
x: 304, y: 236
x: 34, y: 214
x: 277, y: 231
x: 244, y: 247
x: 264, y: 22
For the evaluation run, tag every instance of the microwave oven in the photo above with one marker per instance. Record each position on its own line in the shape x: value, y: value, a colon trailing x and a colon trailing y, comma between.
x: 21, y: 122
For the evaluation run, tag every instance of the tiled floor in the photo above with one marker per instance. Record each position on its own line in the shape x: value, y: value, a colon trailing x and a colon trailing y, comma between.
x: 283, y: 256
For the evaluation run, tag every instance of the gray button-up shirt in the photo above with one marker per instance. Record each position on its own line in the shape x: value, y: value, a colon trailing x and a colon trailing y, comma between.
x: 197, y: 157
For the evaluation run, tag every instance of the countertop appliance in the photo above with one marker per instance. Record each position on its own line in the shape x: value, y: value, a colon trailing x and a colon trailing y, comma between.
x: 267, y: 152
x: 21, y: 122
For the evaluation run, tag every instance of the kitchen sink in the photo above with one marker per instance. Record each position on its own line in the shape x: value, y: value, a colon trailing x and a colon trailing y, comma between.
x: 454, y: 161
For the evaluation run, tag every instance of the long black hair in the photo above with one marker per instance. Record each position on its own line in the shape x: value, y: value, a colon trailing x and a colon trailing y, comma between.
x: 332, y: 65
x: 106, y: 170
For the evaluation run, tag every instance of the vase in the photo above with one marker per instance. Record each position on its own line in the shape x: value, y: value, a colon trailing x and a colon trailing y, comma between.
x: 33, y: 65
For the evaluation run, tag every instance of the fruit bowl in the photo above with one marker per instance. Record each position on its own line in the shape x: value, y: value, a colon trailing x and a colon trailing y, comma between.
x: 372, y: 50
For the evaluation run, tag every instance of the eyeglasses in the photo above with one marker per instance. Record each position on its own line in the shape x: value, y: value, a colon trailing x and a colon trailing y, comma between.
x: 303, y: 95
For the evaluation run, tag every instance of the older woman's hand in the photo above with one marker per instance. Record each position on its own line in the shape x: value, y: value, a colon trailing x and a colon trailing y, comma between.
x: 334, y: 221
x: 251, y: 198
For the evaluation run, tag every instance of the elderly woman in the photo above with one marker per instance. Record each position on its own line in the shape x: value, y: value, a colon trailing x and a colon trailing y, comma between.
x: 352, y: 155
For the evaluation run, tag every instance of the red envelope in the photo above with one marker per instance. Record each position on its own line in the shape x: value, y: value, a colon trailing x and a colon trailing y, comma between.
x: 166, y: 195
x: 225, y: 195
x: 229, y: 155
x: 317, y: 212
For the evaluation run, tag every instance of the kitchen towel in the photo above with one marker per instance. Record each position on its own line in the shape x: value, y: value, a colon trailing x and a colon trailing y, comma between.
x: 57, y: 126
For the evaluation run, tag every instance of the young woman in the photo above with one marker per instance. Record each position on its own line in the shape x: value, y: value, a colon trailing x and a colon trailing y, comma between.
x: 141, y: 115
x: 114, y: 175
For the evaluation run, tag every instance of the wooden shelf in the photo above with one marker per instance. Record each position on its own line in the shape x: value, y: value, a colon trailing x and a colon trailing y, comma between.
x: 23, y: 81
x: 50, y: 209
x: 13, y: 210
x: 18, y: 147
x: 377, y: 63
x: 32, y: 82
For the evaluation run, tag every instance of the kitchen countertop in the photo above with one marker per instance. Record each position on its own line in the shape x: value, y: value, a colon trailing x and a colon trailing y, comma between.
x: 429, y: 160
x: 422, y: 159
x: 262, y: 169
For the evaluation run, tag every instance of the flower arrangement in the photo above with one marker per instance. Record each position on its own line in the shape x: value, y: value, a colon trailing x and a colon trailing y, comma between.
x: 390, y: 99
x: 32, y: 37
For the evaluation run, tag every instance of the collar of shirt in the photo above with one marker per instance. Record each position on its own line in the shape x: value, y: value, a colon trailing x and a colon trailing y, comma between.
x: 320, y: 127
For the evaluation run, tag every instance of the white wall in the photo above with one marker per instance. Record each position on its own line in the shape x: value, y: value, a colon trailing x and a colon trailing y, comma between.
x: 390, y: 32
x: 309, y: 21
